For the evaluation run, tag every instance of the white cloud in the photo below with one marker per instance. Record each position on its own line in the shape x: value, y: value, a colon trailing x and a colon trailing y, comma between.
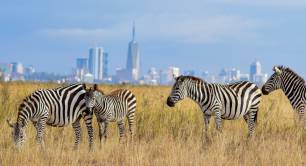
x: 84, y: 33
x: 167, y: 27
x: 198, y: 29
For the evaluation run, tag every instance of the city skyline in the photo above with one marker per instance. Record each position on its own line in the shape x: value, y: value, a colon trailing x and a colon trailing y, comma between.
x: 16, y: 71
x: 190, y: 35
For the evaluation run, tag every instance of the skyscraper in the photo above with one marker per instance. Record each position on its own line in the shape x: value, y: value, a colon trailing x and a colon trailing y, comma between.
x: 17, y: 68
x: 133, y: 59
x: 105, y: 64
x: 82, y: 63
x: 81, y: 67
x: 95, y: 62
x: 167, y: 77
x: 255, y: 69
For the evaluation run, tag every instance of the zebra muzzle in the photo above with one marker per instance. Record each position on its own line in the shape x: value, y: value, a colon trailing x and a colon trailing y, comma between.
x: 170, y: 103
x: 264, y: 91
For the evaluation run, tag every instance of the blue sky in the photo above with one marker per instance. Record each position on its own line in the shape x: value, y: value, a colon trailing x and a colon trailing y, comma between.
x: 191, y: 34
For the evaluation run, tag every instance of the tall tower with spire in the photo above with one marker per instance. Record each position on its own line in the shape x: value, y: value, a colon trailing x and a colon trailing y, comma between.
x: 133, y: 59
x: 133, y: 35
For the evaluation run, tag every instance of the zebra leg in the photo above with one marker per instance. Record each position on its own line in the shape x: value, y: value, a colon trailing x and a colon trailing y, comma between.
x: 206, y: 121
x: 40, y: 128
x: 105, y: 131
x: 302, y: 118
x: 77, y: 131
x: 252, y: 116
x: 35, y: 124
x: 121, y: 130
x: 131, y: 118
x: 206, y: 126
x: 218, y: 120
x: 88, y: 121
x: 102, y: 130
x: 246, y: 118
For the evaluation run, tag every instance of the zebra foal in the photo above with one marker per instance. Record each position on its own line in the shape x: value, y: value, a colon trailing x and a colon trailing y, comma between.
x: 228, y: 102
x: 55, y: 107
x: 113, y: 107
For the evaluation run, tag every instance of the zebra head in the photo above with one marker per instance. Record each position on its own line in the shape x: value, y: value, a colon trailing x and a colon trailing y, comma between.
x: 18, y: 133
x: 90, y: 97
x: 178, y: 92
x: 274, y: 82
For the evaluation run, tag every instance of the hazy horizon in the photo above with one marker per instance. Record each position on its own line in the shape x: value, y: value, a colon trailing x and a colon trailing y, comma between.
x: 192, y: 35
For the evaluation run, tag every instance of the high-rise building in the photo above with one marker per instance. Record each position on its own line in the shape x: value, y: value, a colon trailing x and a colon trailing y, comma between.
x: 82, y: 63
x: 152, y: 77
x: 105, y: 65
x: 255, y: 69
x: 256, y: 74
x: 133, y: 59
x: 95, y: 62
x: 223, y: 76
x: 234, y: 75
x: 167, y: 77
x: 29, y: 70
x: 81, y: 67
x: 6, y: 68
x: 206, y: 76
x: 17, y: 68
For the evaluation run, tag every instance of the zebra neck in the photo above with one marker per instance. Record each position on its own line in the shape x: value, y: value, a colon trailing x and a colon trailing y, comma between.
x: 23, y: 117
x: 294, y: 90
x: 195, y: 92
x: 293, y: 87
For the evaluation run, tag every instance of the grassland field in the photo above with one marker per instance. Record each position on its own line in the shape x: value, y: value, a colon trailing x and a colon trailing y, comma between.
x: 164, y: 135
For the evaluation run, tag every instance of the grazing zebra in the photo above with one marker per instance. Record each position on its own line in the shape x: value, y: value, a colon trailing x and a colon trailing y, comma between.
x: 292, y: 85
x: 55, y: 107
x: 113, y: 107
x: 224, y: 101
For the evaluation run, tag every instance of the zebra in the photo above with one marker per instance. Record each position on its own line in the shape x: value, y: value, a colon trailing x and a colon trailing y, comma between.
x: 291, y: 84
x: 56, y: 107
x: 229, y: 102
x: 113, y: 107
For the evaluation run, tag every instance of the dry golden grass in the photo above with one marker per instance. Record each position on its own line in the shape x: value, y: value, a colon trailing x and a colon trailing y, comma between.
x: 164, y: 136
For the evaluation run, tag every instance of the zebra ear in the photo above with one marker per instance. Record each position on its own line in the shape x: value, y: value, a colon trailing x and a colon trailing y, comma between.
x: 95, y: 87
x: 9, y: 123
x: 277, y: 70
x: 174, y: 77
x: 84, y: 85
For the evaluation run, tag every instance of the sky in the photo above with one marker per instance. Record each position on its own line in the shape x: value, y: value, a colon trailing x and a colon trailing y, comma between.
x: 191, y: 34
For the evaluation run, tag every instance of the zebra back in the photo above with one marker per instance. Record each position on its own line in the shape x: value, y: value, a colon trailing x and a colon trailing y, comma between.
x: 63, y: 105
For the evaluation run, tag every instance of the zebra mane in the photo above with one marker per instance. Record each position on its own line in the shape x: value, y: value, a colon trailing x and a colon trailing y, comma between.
x: 67, y: 85
x: 193, y: 78
x: 288, y: 70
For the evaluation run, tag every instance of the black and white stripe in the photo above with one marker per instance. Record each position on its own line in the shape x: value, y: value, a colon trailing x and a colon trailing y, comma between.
x: 291, y: 84
x: 55, y: 107
x: 113, y: 107
x: 229, y: 102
